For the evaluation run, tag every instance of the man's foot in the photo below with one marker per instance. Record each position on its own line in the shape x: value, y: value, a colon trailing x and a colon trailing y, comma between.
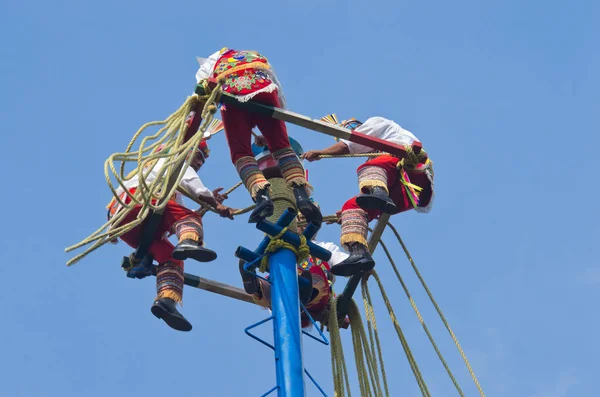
x: 306, y: 207
x: 166, y: 310
x: 187, y: 249
x: 378, y: 199
x: 360, y: 260
x: 250, y: 282
x: 264, y: 207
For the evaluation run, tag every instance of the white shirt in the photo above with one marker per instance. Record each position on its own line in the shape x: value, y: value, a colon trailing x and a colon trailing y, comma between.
x: 207, y: 66
x: 381, y: 128
x: 337, y: 255
x: 190, y: 181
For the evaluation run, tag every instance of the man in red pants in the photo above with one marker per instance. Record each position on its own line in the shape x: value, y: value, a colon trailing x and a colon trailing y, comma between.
x: 388, y: 185
x: 250, y: 77
x: 186, y: 224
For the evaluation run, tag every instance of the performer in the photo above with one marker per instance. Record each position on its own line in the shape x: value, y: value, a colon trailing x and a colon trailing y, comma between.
x: 387, y: 184
x: 249, y: 76
x: 185, y: 223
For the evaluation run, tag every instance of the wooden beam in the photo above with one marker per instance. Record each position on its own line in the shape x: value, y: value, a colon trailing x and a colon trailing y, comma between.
x: 213, y: 286
x: 315, y: 125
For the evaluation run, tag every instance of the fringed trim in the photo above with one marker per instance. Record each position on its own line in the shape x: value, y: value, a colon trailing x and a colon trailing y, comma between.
x: 371, y: 176
x: 349, y: 238
x: 189, y: 227
x: 251, y: 175
x: 170, y: 294
x: 189, y: 236
x: 245, y: 98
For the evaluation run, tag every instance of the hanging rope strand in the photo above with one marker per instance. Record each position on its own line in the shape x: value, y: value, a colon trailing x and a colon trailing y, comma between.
x: 439, y: 311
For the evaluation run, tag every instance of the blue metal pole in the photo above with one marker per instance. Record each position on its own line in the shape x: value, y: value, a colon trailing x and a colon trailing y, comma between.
x: 286, y: 325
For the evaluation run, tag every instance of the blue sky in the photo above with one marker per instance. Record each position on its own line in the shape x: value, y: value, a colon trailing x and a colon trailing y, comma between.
x: 504, y: 96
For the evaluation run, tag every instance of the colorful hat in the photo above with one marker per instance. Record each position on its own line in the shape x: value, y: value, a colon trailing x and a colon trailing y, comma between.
x: 203, y: 149
x: 351, y: 123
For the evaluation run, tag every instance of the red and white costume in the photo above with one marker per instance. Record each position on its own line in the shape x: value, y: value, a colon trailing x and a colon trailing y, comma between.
x: 409, y: 184
x: 249, y: 76
x: 185, y: 223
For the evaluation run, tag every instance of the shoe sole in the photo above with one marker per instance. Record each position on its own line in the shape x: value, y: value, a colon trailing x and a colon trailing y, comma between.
x: 172, y: 321
x: 265, y: 213
x: 311, y: 213
x: 197, y: 255
x: 373, y: 203
x: 352, y: 269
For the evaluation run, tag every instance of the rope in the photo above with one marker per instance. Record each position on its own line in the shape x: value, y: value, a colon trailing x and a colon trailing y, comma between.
x: 277, y: 243
x: 420, y: 317
x: 334, y: 156
x: 153, y: 196
x: 372, y: 327
x: 341, y: 382
x: 411, y: 359
x: 439, y: 311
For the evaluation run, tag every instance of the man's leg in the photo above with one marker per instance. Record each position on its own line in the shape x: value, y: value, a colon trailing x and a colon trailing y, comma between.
x: 238, y: 126
x: 275, y: 133
x: 374, y: 178
x: 187, y: 225
x: 355, y: 224
x: 169, y: 286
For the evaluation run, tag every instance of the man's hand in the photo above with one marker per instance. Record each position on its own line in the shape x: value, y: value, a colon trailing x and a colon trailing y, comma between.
x: 339, y: 218
x: 218, y: 196
x: 260, y: 140
x: 225, y: 211
x: 312, y: 155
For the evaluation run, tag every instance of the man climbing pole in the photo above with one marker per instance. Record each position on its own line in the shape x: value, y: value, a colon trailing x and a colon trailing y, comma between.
x: 249, y: 76
x: 177, y: 219
x: 387, y: 184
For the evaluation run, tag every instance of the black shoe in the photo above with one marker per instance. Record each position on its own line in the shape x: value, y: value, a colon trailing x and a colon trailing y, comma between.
x: 264, y: 207
x: 250, y: 282
x: 165, y: 309
x: 187, y: 249
x: 305, y: 287
x: 360, y: 260
x: 378, y: 199
x: 306, y: 207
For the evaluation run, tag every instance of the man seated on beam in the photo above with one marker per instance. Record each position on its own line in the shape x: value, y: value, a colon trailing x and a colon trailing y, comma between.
x: 177, y: 219
x: 249, y: 76
x: 387, y: 184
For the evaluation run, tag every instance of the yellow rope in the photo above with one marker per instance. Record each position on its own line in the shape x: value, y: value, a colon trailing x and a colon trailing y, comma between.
x: 177, y: 155
x: 341, y: 382
x: 408, y: 352
x: 372, y: 327
x: 277, y: 243
x: 439, y: 311
x: 420, y: 317
x: 335, y: 156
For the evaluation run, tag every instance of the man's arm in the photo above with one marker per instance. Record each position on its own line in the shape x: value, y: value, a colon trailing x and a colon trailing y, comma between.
x: 192, y: 183
x: 333, y: 150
